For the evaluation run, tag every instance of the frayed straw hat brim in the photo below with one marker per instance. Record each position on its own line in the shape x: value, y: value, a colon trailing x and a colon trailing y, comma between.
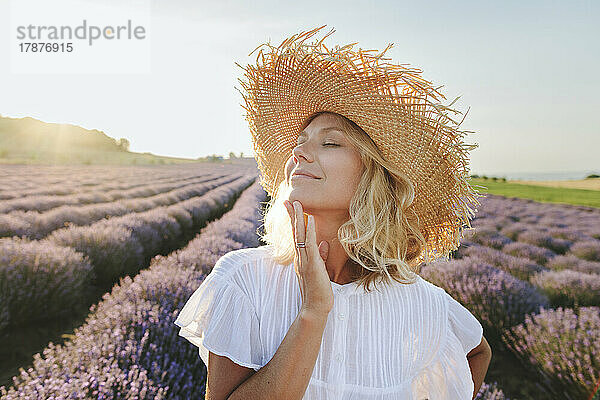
x: 393, y: 104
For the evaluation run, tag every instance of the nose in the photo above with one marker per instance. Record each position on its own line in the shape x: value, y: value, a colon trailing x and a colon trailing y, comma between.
x: 299, y: 151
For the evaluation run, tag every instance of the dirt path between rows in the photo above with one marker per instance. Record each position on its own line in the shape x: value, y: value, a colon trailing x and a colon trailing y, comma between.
x: 588, y: 184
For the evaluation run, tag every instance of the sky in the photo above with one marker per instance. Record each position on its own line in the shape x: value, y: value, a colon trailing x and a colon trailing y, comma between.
x: 526, y: 71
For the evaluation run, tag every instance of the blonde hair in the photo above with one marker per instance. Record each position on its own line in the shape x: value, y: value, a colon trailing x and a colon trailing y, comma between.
x: 382, y: 234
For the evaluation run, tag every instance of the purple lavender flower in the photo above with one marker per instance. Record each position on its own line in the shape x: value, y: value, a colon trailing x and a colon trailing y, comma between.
x: 490, y: 391
x: 496, y: 298
x: 569, y: 261
x: 512, y: 231
x: 40, y: 281
x: 568, y: 233
x: 569, y: 288
x: 532, y: 252
x: 563, y: 346
x: 519, y: 267
x: 543, y: 239
x: 487, y: 237
x: 587, y: 250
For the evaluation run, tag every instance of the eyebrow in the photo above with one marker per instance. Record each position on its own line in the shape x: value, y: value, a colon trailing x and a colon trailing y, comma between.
x: 328, y: 129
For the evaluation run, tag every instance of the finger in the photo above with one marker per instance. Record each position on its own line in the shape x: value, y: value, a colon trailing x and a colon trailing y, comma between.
x: 290, y: 211
x: 311, y: 237
x: 300, y: 231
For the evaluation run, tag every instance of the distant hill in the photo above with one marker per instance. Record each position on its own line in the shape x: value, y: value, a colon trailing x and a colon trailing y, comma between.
x: 31, y: 141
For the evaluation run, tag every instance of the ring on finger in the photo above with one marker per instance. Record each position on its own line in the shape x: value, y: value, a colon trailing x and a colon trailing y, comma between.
x: 301, y: 245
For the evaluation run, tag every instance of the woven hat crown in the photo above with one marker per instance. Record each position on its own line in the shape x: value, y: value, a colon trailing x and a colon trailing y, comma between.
x: 399, y: 110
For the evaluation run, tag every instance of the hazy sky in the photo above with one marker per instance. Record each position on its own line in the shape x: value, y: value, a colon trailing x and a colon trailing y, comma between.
x: 528, y: 70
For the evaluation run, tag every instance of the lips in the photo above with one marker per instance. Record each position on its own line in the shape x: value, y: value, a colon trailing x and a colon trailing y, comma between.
x: 304, y: 174
x: 297, y: 176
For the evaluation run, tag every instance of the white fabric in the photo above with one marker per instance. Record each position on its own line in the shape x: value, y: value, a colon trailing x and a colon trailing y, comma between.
x: 398, y: 342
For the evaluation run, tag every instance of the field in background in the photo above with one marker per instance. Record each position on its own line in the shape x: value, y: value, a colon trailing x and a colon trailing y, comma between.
x: 586, y: 184
x: 86, y: 157
x: 537, y: 192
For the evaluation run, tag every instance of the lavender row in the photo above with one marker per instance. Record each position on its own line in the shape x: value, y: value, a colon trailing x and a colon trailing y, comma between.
x: 17, y: 183
x: 113, y: 248
x: 77, y: 186
x: 562, y: 220
x: 119, y: 246
x: 90, y: 174
x: 90, y: 194
x: 129, y: 347
x: 39, y: 279
x: 41, y: 203
x: 20, y: 181
x: 564, y: 346
x: 569, y: 288
x: 538, y: 243
x: 569, y: 281
x: 34, y: 225
x: 498, y: 299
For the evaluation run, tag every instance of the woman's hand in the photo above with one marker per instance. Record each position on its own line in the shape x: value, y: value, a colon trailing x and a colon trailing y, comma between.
x: 309, y: 263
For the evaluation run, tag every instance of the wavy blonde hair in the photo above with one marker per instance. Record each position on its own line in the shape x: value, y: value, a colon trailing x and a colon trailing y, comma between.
x: 383, y: 233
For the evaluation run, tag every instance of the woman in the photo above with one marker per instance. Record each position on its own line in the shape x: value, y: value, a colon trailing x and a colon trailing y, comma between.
x: 366, y: 184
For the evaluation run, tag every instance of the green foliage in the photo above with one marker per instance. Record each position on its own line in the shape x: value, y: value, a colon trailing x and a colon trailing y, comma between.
x: 493, y: 178
x: 123, y: 144
x: 30, y: 133
x: 214, y: 158
x: 30, y: 141
x: 582, y: 197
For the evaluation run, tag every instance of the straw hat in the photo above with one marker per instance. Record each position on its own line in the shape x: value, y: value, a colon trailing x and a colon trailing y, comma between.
x: 395, y: 106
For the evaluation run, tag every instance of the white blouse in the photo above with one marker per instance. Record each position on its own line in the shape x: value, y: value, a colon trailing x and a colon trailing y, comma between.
x: 397, y: 342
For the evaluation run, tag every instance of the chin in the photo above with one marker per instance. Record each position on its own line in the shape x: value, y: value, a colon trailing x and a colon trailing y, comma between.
x: 308, y: 199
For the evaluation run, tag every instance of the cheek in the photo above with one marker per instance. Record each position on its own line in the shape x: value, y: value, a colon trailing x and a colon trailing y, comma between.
x: 347, y: 173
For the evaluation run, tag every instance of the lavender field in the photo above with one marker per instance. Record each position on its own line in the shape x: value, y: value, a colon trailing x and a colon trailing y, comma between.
x: 530, y: 272
x: 125, y: 247
x: 71, y: 254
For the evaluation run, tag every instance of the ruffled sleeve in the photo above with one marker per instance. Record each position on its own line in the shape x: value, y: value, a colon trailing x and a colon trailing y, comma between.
x: 448, y: 376
x: 463, y: 325
x: 219, y: 317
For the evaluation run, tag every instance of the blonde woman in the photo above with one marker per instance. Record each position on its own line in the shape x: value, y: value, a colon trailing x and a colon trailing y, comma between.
x: 367, y: 180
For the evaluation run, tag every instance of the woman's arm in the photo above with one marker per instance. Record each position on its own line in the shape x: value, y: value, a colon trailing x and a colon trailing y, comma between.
x: 287, y: 374
x: 479, y: 360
